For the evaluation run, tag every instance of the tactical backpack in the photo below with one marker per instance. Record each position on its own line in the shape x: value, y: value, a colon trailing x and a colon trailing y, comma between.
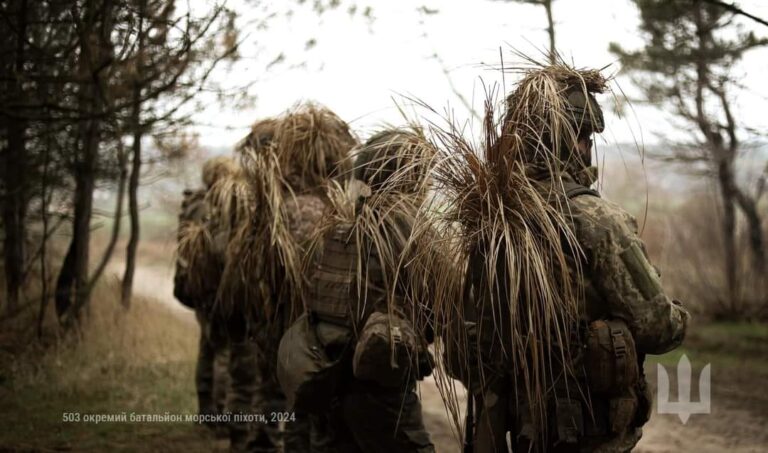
x: 379, y: 346
x: 192, y: 211
x: 387, y: 349
x: 388, y: 352
x: 308, y: 375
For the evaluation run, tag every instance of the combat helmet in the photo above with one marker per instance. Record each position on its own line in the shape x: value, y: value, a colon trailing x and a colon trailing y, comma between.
x: 261, y: 136
x: 217, y: 168
x: 395, y: 159
x: 584, y: 112
x: 550, y: 110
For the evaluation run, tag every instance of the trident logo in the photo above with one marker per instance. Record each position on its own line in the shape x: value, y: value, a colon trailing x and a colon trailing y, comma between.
x: 683, y: 407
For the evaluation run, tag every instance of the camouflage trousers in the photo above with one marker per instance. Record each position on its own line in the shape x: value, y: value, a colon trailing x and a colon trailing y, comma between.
x: 211, y: 376
x: 256, y: 393
x: 364, y: 416
x: 369, y: 418
x: 500, y: 412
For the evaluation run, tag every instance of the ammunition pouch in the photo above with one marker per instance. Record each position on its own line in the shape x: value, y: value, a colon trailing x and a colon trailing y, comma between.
x: 389, y: 352
x: 568, y: 420
x: 307, y: 375
x: 614, y: 374
x: 611, y: 358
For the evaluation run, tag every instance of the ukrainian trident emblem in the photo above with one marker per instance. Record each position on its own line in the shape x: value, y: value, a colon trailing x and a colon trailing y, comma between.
x: 683, y: 407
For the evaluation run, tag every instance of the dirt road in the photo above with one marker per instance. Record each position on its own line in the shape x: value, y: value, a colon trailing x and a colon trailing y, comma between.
x: 736, y: 424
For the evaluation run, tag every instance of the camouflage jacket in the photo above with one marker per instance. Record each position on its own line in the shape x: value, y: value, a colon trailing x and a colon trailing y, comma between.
x: 619, y: 280
x: 304, y: 213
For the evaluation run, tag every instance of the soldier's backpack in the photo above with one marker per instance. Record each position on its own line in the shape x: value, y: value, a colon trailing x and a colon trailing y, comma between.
x: 192, y: 211
x: 307, y: 374
x: 388, y: 351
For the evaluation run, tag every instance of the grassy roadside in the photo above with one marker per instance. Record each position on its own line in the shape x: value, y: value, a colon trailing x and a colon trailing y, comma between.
x: 141, y: 361
x: 728, y: 345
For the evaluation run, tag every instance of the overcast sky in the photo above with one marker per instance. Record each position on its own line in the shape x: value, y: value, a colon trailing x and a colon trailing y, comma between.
x: 358, y: 66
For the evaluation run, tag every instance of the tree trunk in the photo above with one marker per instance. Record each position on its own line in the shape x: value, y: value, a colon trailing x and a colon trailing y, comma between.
x: 133, y: 185
x: 754, y: 226
x: 77, y: 290
x: 44, y: 200
x: 551, y: 31
x: 118, y: 218
x: 73, y: 288
x: 725, y: 181
x: 14, y: 212
x: 133, y: 208
x: 14, y: 166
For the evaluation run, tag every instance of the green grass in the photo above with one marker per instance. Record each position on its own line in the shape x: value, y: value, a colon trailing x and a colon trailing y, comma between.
x: 142, y: 362
x: 36, y: 410
x: 733, y: 345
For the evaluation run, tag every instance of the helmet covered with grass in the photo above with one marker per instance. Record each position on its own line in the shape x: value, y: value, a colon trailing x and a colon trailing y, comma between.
x: 260, y: 137
x: 312, y: 145
x: 395, y: 159
x: 550, y: 110
x: 584, y: 112
x: 216, y: 168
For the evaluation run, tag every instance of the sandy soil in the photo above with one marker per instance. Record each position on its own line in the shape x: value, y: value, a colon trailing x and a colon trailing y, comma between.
x: 737, y: 423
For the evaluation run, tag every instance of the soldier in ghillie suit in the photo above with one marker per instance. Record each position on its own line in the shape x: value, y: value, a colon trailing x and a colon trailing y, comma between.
x: 353, y: 360
x: 560, y: 301
x: 286, y: 171
x: 230, y: 203
x: 195, y: 290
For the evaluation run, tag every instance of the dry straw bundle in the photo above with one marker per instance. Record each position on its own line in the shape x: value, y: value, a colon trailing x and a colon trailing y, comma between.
x: 285, y: 161
x: 379, y: 209
x: 503, y: 215
x: 312, y: 144
x: 199, y: 247
x: 193, y: 253
x: 541, y: 125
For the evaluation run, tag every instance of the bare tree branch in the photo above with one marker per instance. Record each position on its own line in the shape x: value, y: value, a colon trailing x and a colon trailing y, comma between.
x: 736, y: 10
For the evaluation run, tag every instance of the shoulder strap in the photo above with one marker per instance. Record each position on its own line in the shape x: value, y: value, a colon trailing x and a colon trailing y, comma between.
x: 574, y: 189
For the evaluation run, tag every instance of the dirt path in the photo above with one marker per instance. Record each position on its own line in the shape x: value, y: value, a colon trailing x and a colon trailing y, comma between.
x: 730, y: 427
x: 739, y: 413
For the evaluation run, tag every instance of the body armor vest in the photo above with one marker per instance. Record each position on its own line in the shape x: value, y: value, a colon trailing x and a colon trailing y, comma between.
x: 335, y: 293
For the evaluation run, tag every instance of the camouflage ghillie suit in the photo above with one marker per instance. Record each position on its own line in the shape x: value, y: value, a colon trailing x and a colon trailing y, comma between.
x: 619, y: 283
x: 360, y: 316
x: 211, y: 378
x: 227, y: 363
x: 595, y: 397
x: 230, y: 206
x: 286, y: 162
